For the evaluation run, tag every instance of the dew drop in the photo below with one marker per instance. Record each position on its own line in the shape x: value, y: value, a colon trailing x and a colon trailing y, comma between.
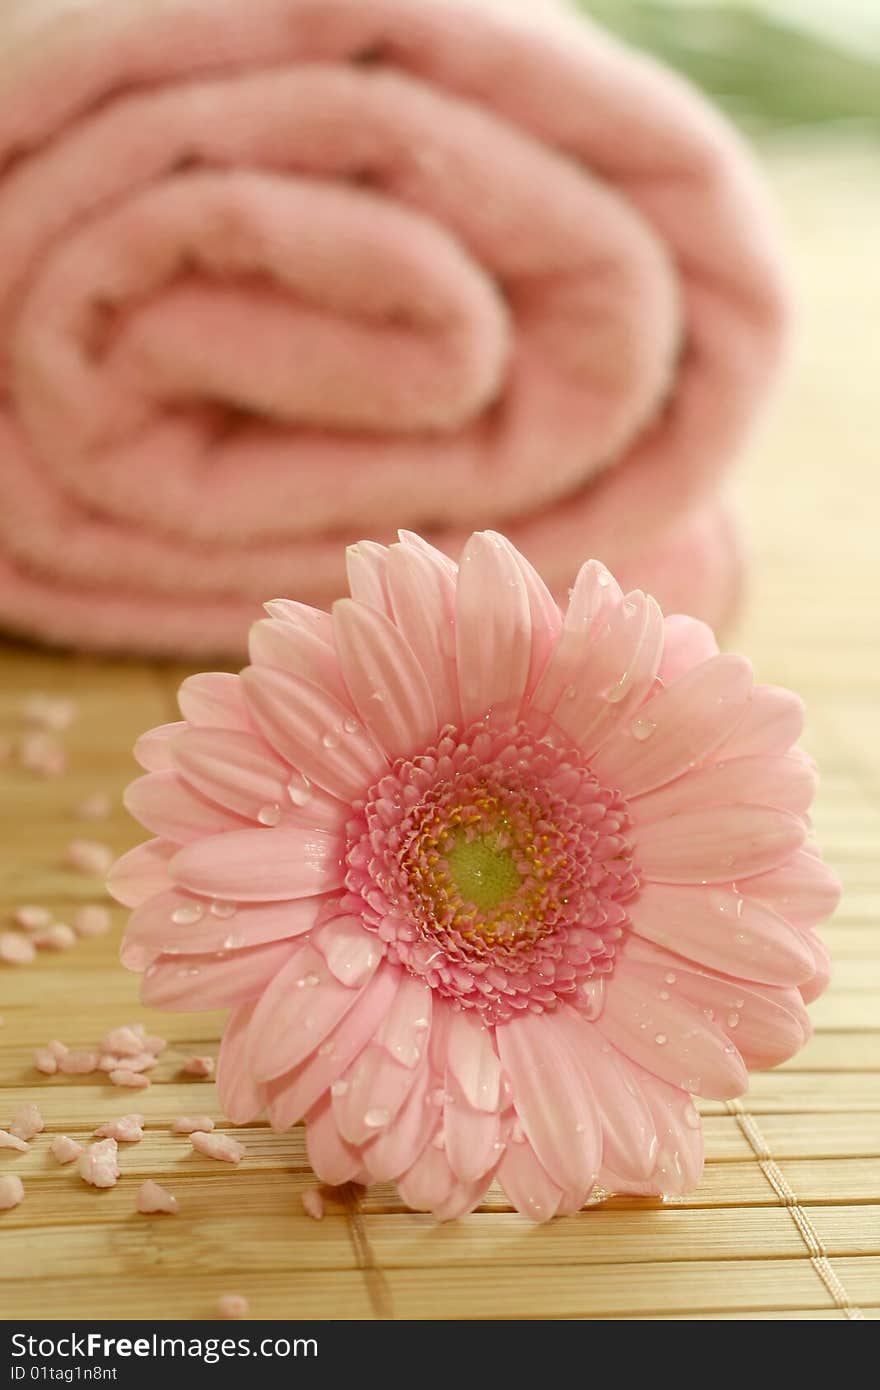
x: 420, y: 1024
x: 377, y: 1117
x: 231, y: 942
x: 642, y: 728
x: 339, y: 1087
x: 380, y: 695
x: 664, y: 994
x: 710, y: 1014
x: 670, y: 977
x: 350, y: 725
x: 615, y: 693
x: 570, y: 692
x: 660, y: 1039
x: 330, y: 739
x: 186, y: 915
x: 603, y: 578
x: 270, y: 814
x: 310, y: 980
x: 299, y: 789
x: 223, y: 910
x: 733, y: 1020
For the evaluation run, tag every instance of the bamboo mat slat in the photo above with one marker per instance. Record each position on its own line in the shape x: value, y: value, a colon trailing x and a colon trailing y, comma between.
x: 786, y: 1221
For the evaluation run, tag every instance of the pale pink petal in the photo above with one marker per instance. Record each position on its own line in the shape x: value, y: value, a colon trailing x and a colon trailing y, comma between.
x: 261, y: 865
x: 334, y: 1161
x: 167, y: 806
x: 595, y: 596
x: 552, y: 1098
x: 803, y: 889
x: 398, y: 1146
x: 239, y: 1095
x: 473, y: 1061
x: 786, y: 782
x: 299, y: 649
x: 365, y: 568
x: 678, y: 1163
x: 302, y: 615
x: 546, y: 619
x: 492, y: 630
x: 196, y: 983
x: 303, y: 1003
x: 669, y: 1036
x: 236, y: 770
x: 203, y: 928
x: 405, y: 1029
x: 153, y: 749
x: 314, y: 732
x: 214, y: 699
x: 472, y: 1136
x: 821, y: 977
x: 422, y: 596
x: 429, y: 1182
x: 722, y: 929
x: 385, y: 681
x: 368, y: 1096
x: 686, y: 643
x: 142, y: 872
x: 351, y: 952
x: 462, y: 1198
x: 772, y: 723
x: 530, y: 1189
x: 677, y: 728
x: 716, y: 844
x: 413, y: 541
x: 291, y: 1096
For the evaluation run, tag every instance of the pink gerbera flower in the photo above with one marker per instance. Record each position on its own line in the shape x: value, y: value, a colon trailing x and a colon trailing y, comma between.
x: 490, y: 891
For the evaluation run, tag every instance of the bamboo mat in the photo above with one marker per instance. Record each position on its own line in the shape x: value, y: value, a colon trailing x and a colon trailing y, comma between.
x: 786, y: 1222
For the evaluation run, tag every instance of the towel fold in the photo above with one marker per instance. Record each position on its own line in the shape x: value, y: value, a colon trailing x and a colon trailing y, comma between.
x: 275, y: 277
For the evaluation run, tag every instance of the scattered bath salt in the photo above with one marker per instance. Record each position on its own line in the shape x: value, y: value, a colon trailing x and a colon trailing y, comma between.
x: 43, y: 754
x: 217, y: 1146
x: 189, y: 1124
x: 58, y: 1049
x: 232, y: 1306
x: 55, y: 712
x: 95, y: 806
x: 199, y: 1066
x: 27, y: 1122
x: 12, y: 1141
x: 45, y: 1061
x: 58, y: 937
x: 31, y: 917
x: 144, y: 1061
x: 92, y: 920
x: 123, y: 1042
x: 123, y: 1077
x: 78, y: 1063
x: 64, y: 1149
x: 88, y: 857
x: 154, y: 1044
x: 125, y: 1129
x: 11, y: 1191
x: 98, y: 1165
x: 16, y: 949
x: 313, y: 1203
x: 152, y: 1197
x: 108, y: 1061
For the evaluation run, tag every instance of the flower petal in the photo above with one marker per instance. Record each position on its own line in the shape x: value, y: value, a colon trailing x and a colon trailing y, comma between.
x: 526, y: 1182
x: 397, y: 1147
x: 406, y: 1029
x: 552, y: 1099
x: 678, y: 1164
x: 214, y: 700
x: 821, y: 977
x: 298, y: 649
x: 786, y: 782
x: 166, y: 805
x: 302, y: 615
x: 313, y: 731
x: 351, y: 952
x: 152, y: 931
x: 386, y: 683
x: 365, y: 566
x: 236, y: 770
x: 370, y: 1094
x: 429, y: 1182
x: 422, y: 595
x: 195, y: 983
x: 594, y: 597
x: 492, y: 629
x: 334, y: 1161
x: 669, y: 1037
x: 141, y: 872
x: 473, y: 1061
x: 261, y: 865
x: 683, y: 723
x: 772, y: 723
x: 239, y: 1095
x: 153, y: 749
x: 300, y: 1007
x: 463, y: 1197
x: 716, y: 844
x: 686, y: 643
x: 546, y: 619
x: 720, y: 928
x: 472, y: 1136
x: 802, y: 889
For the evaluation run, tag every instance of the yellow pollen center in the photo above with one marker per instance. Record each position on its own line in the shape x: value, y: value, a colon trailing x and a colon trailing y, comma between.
x: 483, y: 871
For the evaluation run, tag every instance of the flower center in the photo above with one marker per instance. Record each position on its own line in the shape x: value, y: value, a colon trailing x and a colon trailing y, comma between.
x: 494, y: 866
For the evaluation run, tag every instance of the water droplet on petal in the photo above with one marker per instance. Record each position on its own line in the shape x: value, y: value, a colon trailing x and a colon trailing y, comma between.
x: 330, y: 739
x: 339, y: 1087
x: 187, y: 914
x: 270, y: 814
x: 350, y: 725
x: 325, y: 1049
x: 733, y: 1020
x: 670, y: 977
x: 660, y: 1039
x: 377, y: 1117
x: 223, y: 910
x: 642, y: 728
x: 299, y: 789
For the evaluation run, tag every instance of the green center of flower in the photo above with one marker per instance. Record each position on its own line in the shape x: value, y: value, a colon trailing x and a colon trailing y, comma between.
x: 483, y: 870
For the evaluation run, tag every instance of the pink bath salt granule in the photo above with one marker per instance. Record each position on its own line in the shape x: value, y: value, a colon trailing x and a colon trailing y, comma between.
x: 95, y: 806
x: 27, y: 1122
x: 42, y: 754
x: 313, y: 1203
x: 125, y: 1129
x: 198, y: 1066
x: 135, y: 1079
x: 78, y: 1063
x: 232, y: 1306
x: 45, y: 1062
x: 12, y: 1141
x: 217, y: 1146
x: 11, y: 1191
x: 30, y: 917
x: 153, y: 1043
x: 152, y: 1197
x: 91, y: 920
x: 126, y: 1041
x: 98, y: 1165
x: 58, y: 1049
x: 144, y: 1061
x: 64, y: 1149
x: 58, y: 937
x: 55, y: 712
x: 190, y: 1124
x: 16, y: 949
x: 88, y: 857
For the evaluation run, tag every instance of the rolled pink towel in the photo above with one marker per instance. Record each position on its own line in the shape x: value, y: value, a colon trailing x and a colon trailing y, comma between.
x: 277, y: 274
